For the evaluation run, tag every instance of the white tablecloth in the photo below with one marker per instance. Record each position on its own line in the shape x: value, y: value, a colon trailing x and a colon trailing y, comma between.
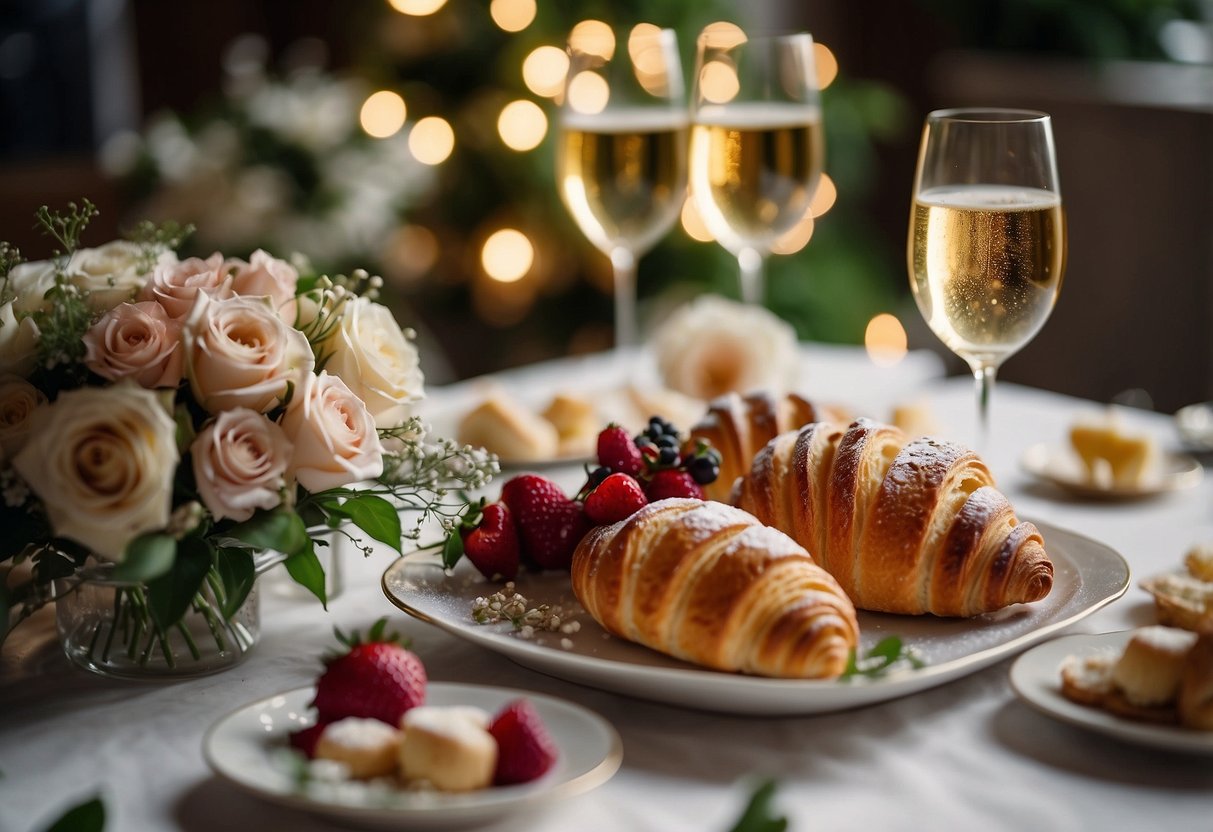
x: 964, y: 755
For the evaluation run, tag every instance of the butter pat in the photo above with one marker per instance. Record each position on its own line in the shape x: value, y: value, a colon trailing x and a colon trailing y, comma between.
x: 1113, y: 456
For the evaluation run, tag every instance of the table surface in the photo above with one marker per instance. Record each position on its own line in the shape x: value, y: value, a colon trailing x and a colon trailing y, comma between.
x: 967, y: 754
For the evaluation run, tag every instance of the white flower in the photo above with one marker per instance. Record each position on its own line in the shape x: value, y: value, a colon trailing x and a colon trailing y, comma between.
x: 29, y: 283
x: 18, y: 401
x: 714, y: 346
x: 102, y: 460
x: 18, y: 342
x: 108, y: 274
x: 374, y: 358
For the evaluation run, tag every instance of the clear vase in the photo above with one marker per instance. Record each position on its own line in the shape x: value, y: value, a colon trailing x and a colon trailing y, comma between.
x: 105, y: 626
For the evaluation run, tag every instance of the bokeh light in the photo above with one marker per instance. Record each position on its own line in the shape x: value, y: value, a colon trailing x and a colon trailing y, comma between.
x: 593, y: 37
x: 513, y: 15
x: 417, y: 8
x: 827, y: 65
x: 382, y: 114
x: 507, y: 255
x: 824, y: 198
x: 693, y: 224
x: 723, y: 35
x: 718, y: 82
x: 885, y: 340
x: 544, y: 69
x: 795, y: 238
x: 432, y: 140
x: 588, y: 93
x: 522, y: 125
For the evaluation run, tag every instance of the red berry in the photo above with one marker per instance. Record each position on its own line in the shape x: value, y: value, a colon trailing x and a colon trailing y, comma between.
x: 305, y: 739
x: 549, y: 523
x: 672, y: 482
x: 492, y: 545
x: 616, y: 497
x: 379, y: 680
x: 617, y: 451
x: 525, y: 750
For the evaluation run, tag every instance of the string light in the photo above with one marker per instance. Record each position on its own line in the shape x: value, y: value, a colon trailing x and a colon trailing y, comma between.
x: 507, y: 255
x: 417, y: 8
x: 593, y: 37
x: 522, y: 125
x: 382, y: 114
x: 431, y: 140
x: 512, y: 15
x: 588, y: 93
x: 693, y: 224
x: 885, y: 340
x: 826, y: 63
x: 544, y: 69
x: 824, y: 198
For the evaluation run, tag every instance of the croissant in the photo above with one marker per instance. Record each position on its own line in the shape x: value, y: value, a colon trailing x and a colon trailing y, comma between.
x: 707, y: 583
x: 739, y: 426
x: 904, y: 526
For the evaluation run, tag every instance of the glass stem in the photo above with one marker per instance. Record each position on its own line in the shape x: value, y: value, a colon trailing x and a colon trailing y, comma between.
x: 753, y: 283
x: 623, y: 263
x: 983, y: 376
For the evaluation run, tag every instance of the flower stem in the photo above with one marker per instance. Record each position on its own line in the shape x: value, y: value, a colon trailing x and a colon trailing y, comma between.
x: 189, y: 640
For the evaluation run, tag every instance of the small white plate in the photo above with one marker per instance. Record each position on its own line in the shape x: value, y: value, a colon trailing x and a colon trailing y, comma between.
x: 1063, y: 468
x: 1086, y: 576
x: 248, y: 746
x: 1036, y: 678
x: 1195, y: 426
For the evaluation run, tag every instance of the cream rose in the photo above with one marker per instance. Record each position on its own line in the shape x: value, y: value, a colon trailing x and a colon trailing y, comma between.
x: 109, y: 274
x: 18, y: 342
x: 714, y: 346
x: 238, y: 353
x: 137, y: 341
x: 29, y: 283
x: 372, y: 355
x: 18, y: 400
x: 240, y: 460
x: 102, y: 460
x: 176, y: 285
x: 334, y: 435
x: 266, y: 276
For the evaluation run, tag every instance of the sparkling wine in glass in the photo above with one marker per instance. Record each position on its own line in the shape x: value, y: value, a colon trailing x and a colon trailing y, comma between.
x: 987, y: 241
x: 757, y: 147
x: 622, y: 159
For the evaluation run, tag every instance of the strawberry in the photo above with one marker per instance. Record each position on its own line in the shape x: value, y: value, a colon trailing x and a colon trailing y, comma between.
x: 525, y: 750
x: 617, y: 451
x: 672, y: 482
x: 616, y: 497
x: 305, y: 739
x: 491, y: 542
x: 549, y: 523
x: 376, y: 679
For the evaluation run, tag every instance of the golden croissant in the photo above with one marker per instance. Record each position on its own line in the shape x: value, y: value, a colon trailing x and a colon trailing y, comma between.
x: 904, y: 526
x: 707, y: 583
x: 738, y: 426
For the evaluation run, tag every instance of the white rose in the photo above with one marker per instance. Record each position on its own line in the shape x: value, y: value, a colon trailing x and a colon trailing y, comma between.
x: 240, y: 460
x: 18, y: 342
x: 108, y: 274
x: 18, y: 400
x: 334, y: 434
x: 102, y: 461
x: 29, y: 283
x: 238, y: 353
x: 374, y: 358
x: 714, y: 346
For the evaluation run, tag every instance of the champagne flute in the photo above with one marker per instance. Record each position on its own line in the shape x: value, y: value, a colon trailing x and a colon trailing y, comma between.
x: 621, y: 160
x: 987, y: 241
x: 757, y: 147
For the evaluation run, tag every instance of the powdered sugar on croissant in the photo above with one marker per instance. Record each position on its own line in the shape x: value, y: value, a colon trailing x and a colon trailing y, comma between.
x: 707, y: 583
x: 904, y: 526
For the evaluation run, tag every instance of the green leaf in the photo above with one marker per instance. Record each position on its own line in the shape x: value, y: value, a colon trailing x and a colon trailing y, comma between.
x: 169, y: 596
x: 237, y: 574
x: 147, y: 557
x: 452, y: 549
x: 305, y: 568
x: 758, y: 815
x: 281, y: 531
x: 374, y: 515
x: 89, y: 816
x: 886, y: 653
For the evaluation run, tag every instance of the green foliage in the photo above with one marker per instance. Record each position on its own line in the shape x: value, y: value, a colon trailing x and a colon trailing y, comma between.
x: 170, y: 595
x: 147, y: 557
x: 66, y: 227
x: 88, y: 816
x: 759, y: 812
x: 153, y: 239
x: 374, y: 515
x: 305, y: 568
x: 887, y: 654
x: 237, y: 574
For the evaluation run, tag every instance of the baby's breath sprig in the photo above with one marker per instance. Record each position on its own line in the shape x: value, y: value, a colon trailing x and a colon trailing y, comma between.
x: 153, y: 240
x: 432, y: 477
x: 10, y: 258
x: 65, y: 227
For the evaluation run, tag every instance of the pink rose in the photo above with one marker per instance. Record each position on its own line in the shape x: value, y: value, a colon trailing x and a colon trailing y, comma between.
x: 138, y: 341
x: 334, y: 435
x: 238, y: 353
x: 266, y: 276
x: 176, y: 286
x: 240, y: 462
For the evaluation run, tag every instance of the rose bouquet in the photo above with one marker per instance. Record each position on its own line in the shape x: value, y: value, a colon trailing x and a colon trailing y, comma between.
x: 166, y: 422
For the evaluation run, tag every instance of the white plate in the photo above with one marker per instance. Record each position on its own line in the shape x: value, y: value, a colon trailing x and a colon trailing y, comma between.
x: 1195, y: 426
x: 1036, y: 678
x: 1063, y: 468
x: 247, y: 748
x: 1087, y: 575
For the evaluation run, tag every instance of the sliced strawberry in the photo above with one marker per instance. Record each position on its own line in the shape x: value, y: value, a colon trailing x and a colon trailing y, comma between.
x: 617, y: 451
x: 305, y: 739
x: 672, y: 482
x: 549, y: 523
x: 376, y: 680
x: 525, y: 750
x: 616, y: 497
x: 492, y: 544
